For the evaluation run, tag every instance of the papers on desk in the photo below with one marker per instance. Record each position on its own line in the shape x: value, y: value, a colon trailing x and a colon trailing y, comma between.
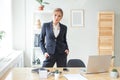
x: 74, y: 77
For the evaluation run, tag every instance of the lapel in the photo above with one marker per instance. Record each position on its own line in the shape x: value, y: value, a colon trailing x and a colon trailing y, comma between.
x: 60, y: 30
x: 51, y: 30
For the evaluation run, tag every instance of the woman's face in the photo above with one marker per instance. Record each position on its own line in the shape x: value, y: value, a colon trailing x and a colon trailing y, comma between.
x: 57, y: 16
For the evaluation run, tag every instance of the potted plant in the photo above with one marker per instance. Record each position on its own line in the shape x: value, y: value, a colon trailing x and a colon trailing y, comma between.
x: 56, y: 74
x: 37, y: 61
x: 2, y: 33
x: 42, y: 4
x: 114, y: 73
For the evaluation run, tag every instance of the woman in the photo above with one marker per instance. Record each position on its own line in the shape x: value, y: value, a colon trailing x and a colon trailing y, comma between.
x: 53, y: 41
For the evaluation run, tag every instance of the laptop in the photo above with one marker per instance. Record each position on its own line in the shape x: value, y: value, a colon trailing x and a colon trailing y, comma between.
x: 98, y: 64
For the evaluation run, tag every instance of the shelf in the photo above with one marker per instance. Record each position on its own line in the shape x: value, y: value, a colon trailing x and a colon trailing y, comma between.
x: 39, y: 17
x: 106, y: 33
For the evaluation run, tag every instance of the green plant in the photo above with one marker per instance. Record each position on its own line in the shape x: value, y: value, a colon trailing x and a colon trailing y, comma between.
x: 41, y: 2
x: 114, y: 70
x: 112, y: 57
x: 36, y: 61
x: 57, y: 71
x: 2, y: 33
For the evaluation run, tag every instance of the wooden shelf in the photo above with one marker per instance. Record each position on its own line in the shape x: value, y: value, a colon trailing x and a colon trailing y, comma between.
x: 106, y: 33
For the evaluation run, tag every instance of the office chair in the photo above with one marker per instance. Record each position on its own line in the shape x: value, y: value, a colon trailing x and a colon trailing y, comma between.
x: 75, y: 63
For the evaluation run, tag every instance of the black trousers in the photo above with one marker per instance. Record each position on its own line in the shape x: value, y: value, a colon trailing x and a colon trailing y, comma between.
x: 60, y: 59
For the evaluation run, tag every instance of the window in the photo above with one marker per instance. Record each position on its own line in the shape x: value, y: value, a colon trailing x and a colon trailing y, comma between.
x: 6, y: 25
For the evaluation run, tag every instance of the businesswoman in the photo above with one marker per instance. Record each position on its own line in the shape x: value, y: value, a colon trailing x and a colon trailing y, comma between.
x: 53, y: 41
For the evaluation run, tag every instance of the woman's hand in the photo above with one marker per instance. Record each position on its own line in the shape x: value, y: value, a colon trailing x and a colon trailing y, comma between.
x: 46, y: 55
x: 67, y: 51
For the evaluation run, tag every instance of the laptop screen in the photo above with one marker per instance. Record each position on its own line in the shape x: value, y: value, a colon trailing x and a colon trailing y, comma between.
x: 98, y: 63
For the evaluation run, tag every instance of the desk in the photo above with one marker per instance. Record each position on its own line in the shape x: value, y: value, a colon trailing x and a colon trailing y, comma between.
x: 26, y: 74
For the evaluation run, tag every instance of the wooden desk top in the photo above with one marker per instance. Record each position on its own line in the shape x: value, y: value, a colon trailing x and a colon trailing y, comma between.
x: 26, y: 74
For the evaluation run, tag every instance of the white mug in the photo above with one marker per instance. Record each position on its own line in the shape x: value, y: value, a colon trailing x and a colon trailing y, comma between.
x: 43, y: 74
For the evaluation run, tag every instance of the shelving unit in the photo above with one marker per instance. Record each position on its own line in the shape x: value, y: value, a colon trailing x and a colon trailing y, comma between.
x: 106, y: 33
x: 39, y: 17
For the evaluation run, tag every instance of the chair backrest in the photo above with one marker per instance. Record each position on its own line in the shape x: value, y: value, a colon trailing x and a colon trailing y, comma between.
x: 75, y: 63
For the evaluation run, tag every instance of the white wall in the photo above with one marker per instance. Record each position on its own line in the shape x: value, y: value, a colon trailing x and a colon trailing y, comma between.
x: 19, y: 26
x: 18, y: 10
x: 82, y: 40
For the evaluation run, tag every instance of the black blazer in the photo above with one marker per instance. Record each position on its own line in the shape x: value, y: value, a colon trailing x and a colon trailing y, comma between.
x: 49, y: 43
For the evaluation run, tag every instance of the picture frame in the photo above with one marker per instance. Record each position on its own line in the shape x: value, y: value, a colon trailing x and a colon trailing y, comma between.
x: 77, y: 18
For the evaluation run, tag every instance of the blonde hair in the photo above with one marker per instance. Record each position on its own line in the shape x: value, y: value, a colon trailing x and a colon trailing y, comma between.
x: 58, y: 9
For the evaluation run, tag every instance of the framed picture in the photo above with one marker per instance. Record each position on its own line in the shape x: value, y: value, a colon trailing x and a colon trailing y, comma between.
x: 77, y: 18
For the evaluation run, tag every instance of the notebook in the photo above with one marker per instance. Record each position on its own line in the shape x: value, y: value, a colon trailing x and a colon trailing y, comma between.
x: 74, y: 77
x: 97, y: 64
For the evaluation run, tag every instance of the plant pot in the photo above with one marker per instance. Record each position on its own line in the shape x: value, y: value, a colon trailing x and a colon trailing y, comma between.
x: 41, y: 7
x: 114, y: 74
x: 56, y: 76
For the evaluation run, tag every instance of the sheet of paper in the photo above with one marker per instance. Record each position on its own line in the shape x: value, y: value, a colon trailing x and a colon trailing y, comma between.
x: 74, y: 77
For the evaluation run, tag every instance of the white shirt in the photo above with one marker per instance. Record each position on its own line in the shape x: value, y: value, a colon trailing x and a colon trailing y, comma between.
x: 56, y: 29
